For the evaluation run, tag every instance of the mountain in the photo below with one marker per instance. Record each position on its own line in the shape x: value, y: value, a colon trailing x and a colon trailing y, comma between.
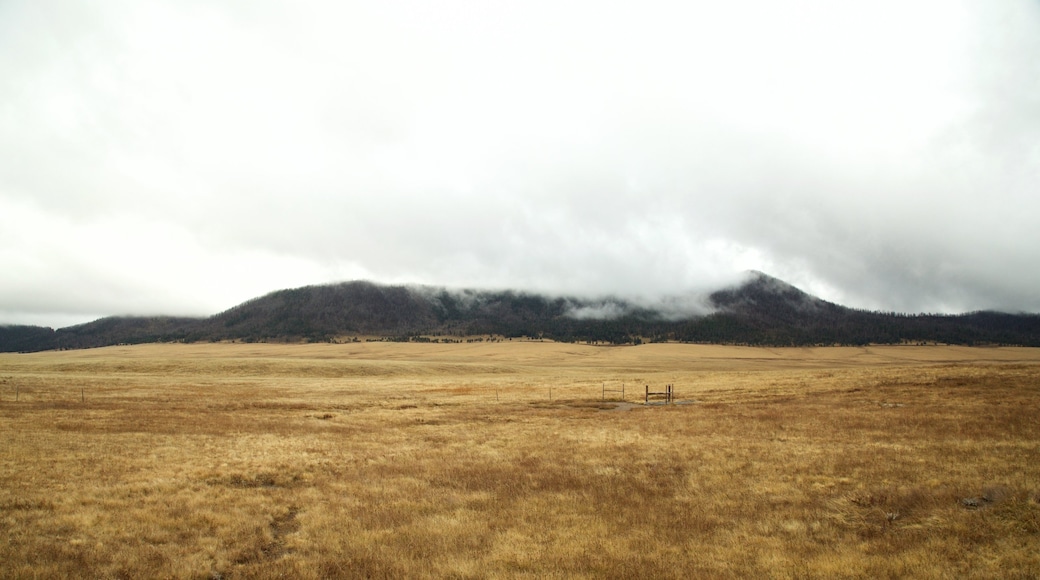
x: 364, y: 308
x: 761, y: 310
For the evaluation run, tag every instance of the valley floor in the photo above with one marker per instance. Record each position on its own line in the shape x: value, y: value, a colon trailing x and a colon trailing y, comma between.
x: 488, y: 460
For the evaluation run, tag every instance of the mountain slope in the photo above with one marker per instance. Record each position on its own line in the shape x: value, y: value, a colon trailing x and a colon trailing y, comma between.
x: 318, y: 311
x: 762, y: 310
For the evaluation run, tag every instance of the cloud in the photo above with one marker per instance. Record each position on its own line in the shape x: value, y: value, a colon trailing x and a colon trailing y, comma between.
x: 604, y: 311
x: 181, y: 156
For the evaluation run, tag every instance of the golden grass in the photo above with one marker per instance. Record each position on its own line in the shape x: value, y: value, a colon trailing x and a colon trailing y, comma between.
x: 451, y: 460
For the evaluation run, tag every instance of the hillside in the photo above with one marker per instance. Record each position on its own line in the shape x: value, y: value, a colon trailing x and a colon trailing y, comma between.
x: 760, y: 311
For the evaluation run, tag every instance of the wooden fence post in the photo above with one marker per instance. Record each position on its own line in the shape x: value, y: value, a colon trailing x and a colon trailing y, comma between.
x: 603, y: 391
x: 668, y: 394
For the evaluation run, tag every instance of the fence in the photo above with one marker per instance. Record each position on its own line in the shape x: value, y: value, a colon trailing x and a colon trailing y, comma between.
x: 606, y: 390
x: 665, y: 394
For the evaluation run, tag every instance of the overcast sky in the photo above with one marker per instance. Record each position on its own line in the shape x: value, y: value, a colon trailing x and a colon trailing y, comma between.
x: 181, y: 157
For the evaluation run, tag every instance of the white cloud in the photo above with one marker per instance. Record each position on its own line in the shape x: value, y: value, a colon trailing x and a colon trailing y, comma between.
x: 180, y: 156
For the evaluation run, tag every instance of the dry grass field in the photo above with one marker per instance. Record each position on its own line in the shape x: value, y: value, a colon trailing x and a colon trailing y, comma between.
x: 500, y: 460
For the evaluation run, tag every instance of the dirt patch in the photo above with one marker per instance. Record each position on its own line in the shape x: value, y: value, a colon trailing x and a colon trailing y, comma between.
x: 626, y: 406
x: 623, y: 406
x: 267, y: 480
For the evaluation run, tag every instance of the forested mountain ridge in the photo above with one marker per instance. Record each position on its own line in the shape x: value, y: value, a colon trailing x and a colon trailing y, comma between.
x: 760, y: 311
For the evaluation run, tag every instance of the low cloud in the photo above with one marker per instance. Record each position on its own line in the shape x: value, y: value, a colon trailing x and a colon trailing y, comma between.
x: 603, y: 311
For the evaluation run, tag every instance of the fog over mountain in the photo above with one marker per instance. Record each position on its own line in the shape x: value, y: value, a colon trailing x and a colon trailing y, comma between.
x: 761, y: 310
x: 181, y: 157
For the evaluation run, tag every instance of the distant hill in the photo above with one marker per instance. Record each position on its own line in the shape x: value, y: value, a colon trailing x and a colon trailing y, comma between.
x: 761, y: 310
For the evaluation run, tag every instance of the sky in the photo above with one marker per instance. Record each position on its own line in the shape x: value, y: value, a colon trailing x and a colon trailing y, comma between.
x: 180, y: 157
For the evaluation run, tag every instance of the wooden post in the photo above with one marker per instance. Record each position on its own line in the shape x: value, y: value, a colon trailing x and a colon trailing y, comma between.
x: 668, y: 394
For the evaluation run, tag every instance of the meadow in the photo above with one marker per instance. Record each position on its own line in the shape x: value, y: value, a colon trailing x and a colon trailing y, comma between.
x: 503, y: 460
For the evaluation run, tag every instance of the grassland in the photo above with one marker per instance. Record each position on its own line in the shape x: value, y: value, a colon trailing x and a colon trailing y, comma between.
x: 501, y: 460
